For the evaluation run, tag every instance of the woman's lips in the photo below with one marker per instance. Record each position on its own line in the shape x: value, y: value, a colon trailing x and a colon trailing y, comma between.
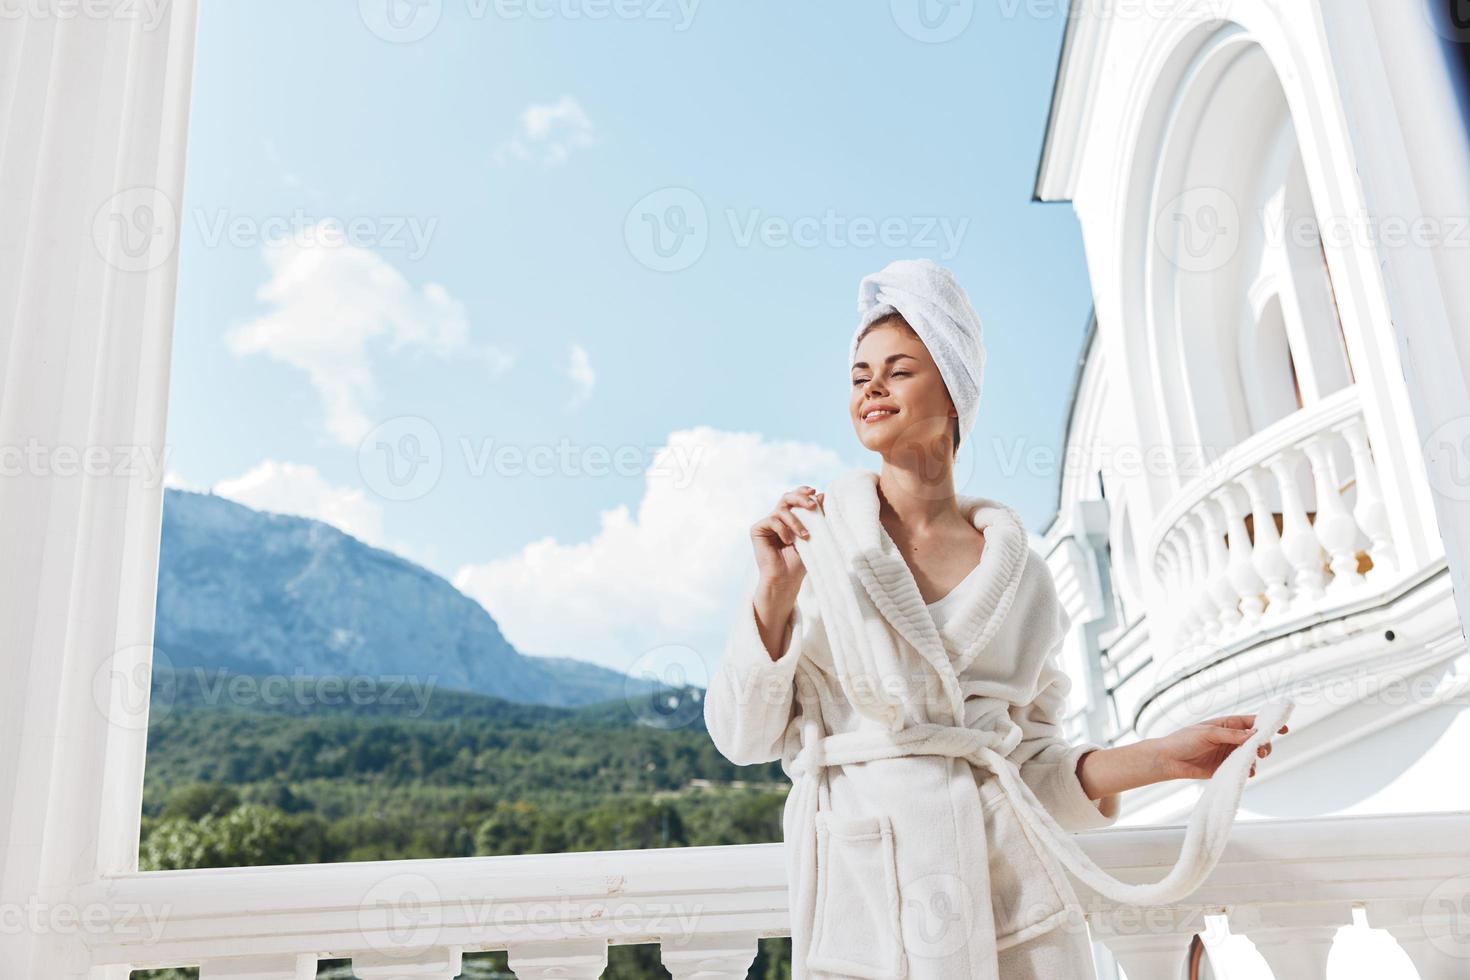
x: 879, y: 417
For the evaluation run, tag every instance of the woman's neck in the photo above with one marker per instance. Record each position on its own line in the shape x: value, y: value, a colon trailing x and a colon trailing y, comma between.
x: 920, y: 501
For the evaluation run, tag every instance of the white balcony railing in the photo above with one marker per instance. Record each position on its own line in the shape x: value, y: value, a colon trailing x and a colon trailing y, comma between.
x: 1287, y: 886
x: 1285, y: 525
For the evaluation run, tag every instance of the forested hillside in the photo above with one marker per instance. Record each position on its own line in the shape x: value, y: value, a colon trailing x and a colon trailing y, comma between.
x: 245, y: 772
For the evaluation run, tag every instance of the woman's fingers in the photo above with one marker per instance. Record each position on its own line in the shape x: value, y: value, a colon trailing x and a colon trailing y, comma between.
x: 783, y: 523
x: 1227, y: 736
x: 800, y: 497
x: 774, y: 526
x: 784, y: 515
x: 1241, y: 721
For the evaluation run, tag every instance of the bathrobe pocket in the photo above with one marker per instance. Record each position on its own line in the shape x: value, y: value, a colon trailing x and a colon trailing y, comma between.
x: 1025, y: 895
x: 855, y: 930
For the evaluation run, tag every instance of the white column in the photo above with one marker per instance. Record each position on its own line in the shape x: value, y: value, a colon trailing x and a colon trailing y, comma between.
x: 1410, y: 159
x: 93, y: 118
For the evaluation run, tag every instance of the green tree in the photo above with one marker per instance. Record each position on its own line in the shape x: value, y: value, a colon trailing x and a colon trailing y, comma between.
x: 201, y: 800
x: 249, y: 835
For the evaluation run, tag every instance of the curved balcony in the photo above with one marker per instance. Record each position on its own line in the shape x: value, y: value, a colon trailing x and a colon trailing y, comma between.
x: 1285, y: 529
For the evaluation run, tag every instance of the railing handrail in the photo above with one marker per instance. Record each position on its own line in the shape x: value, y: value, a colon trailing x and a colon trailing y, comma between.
x: 1252, y: 451
x: 648, y: 895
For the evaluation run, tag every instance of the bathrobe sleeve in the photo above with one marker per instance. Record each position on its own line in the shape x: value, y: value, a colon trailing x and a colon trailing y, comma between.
x: 1047, y: 760
x: 750, y: 700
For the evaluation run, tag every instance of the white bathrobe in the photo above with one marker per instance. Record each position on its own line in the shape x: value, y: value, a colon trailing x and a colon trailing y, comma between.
x: 933, y: 793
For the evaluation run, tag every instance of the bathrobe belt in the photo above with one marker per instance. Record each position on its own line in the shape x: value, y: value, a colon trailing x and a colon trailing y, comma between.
x: 1205, y: 836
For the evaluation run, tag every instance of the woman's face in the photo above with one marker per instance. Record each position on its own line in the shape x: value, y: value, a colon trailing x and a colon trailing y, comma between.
x: 893, y: 370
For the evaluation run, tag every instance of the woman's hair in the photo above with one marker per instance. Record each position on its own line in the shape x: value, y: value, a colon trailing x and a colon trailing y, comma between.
x: 897, y: 318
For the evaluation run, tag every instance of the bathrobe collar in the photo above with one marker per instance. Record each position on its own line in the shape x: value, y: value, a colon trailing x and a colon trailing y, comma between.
x: 878, y: 563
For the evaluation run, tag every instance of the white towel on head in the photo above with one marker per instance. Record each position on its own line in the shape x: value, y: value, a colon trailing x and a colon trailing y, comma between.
x: 931, y: 299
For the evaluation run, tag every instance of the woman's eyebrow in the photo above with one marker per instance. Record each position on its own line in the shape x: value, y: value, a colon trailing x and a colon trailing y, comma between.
x: 887, y: 360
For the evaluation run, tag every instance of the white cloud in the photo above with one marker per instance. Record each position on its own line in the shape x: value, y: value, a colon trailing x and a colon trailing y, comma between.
x: 673, y: 572
x: 300, y: 490
x: 332, y: 303
x: 583, y: 376
x: 174, y: 480
x: 547, y: 134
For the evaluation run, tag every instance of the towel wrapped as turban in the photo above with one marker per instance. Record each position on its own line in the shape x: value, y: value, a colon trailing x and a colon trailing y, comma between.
x: 932, y: 301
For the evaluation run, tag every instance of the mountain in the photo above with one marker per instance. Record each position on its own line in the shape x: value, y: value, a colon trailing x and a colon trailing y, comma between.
x: 258, y: 593
x: 218, y: 692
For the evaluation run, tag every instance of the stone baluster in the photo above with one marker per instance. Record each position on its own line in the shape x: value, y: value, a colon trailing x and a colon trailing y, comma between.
x: 1174, y: 557
x: 561, y: 959
x: 1295, y: 941
x: 280, y: 966
x: 725, y: 956
x: 1189, y: 625
x: 1434, y: 957
x: 1370, y: 511
x: 1335, y: 527
x: 1266, y: 554
x: 429, y: 964
x: 1150, y: 943
x: 1222, y: 593
x: 1434, y: 933
x: 1151, y: 957
x: 1247, y: 582
x: 1166, y: 568
x: 1197, y: 600
x: 1298, y: 541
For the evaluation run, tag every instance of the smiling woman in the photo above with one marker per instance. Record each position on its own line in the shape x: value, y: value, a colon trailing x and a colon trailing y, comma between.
x: 925, y: 741
x: 876, y: 394
x: 939, y: 362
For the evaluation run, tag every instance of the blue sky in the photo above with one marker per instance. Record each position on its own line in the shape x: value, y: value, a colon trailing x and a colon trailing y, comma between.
x: 496, y: 183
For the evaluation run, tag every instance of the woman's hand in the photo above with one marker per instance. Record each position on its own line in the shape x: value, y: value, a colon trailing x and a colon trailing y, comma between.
x: 774, y: 539
x: 1197, y: 751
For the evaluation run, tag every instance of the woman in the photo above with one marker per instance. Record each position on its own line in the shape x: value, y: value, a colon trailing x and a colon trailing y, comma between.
x: 900, y: 656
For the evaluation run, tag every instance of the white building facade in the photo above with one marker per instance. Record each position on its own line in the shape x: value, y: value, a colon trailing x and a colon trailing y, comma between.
x: 1263, y: 488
